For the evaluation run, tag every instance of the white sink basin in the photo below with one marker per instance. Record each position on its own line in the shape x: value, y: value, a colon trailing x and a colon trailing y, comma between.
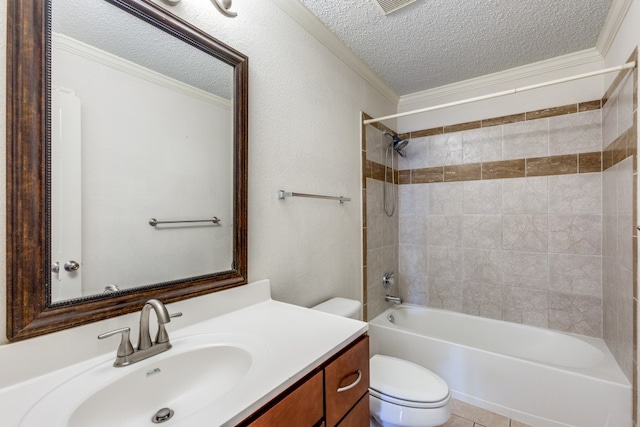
x: 195, y: 373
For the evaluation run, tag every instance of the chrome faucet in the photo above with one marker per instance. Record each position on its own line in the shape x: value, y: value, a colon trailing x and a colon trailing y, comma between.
x: 387, y: 281
x: 390, y: 298
x: 126, y: 354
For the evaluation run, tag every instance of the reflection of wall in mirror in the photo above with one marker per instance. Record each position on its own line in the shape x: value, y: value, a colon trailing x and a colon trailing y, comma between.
x: 148, y: 151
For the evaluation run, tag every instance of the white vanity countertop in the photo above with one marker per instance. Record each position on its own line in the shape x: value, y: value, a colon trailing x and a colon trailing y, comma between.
x: 297, y: 340
x: 294, y: 341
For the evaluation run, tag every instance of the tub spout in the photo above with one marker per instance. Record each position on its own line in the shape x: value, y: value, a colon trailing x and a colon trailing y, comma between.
x: 393, y: 299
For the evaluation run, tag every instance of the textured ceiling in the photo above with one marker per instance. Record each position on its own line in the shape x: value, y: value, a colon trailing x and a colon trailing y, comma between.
x: 431, y: 43
x: 105, y: 26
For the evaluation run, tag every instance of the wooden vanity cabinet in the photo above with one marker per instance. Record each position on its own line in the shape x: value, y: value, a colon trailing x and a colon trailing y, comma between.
x: 335, y: 394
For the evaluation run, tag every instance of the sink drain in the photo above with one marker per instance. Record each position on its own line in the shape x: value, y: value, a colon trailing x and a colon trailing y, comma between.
x: 162, y: 415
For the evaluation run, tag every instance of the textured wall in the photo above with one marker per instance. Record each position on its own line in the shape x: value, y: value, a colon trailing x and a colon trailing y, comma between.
x: 304, y: 136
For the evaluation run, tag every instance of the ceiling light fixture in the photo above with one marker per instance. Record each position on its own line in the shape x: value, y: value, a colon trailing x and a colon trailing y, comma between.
x: 222, y: 5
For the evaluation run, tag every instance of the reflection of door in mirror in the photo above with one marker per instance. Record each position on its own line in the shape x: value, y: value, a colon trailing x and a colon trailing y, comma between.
x: 66, y: 185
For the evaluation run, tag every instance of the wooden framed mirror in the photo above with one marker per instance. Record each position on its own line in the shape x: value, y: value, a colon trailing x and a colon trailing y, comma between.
x: 31, y: 180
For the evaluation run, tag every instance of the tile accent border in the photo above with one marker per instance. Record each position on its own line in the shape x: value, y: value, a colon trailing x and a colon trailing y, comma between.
x: 513, y: 118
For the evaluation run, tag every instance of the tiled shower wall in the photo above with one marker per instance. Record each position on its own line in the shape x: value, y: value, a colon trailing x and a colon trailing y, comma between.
x: 619, y: 131
x: 513, y: 228
x: 529, y: 218
x: 380, y: 231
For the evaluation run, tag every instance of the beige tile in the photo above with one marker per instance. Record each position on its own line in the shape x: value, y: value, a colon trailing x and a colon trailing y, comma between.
x: 456, y: 421
x: 579, y: 314
x: 445, y: 149
x: 579, y: 234
x: 482, y: 265
x: 404, y: 177
x: 525, y: 195
x: 590, y: 162
x: 483, y: 300
x: 504, y: 169
x: 463, y: 172
x: 522, y: 269
x: 445, y: 230
x: 525, y: 232
x: 527, y: 306
x: 579, y: 193
x: 478, y: 415
x: 526, y: 139
x: 504, y: 120
x: 575, y: 133
x: 446, y: 294
x: 482, y: 231
x: 482, y: 197
x: 462, y: 126
x: 553, y: 165
x: 482, y: 145
x: 427, y: 175
x: 552, y: 112
x: 591, y: 105
x: 427, y: 132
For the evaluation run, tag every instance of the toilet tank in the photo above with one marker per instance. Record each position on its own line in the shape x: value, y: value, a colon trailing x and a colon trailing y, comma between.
x: 340, y: 307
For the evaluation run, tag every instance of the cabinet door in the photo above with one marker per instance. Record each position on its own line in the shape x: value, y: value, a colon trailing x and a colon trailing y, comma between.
x: 301, y: 408
x: 359, y: 415
x: 346, y: 381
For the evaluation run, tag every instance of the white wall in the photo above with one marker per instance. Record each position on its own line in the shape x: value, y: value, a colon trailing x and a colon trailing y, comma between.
x: 304, y: 136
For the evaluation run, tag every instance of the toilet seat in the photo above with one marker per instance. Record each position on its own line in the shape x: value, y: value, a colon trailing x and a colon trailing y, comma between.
x: 404, y: 383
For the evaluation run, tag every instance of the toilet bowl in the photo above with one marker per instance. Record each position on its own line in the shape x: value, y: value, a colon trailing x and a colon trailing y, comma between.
x: 404, y: 394
x: 401, y: 393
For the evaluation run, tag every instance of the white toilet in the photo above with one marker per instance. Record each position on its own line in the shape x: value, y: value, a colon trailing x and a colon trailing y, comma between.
x: 401, y: 393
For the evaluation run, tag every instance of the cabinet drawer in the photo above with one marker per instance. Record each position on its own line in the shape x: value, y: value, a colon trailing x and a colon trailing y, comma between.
x: 346, y: 381
x: 359, y: 415
x: 303, y: 407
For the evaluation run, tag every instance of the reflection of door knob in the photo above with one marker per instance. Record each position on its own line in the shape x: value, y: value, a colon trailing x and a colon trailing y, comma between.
x: 71, y: 266
x: 55, y: 267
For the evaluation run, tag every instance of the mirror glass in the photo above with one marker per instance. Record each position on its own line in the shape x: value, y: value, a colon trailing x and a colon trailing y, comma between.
x: 141, y: 154
x: 127, y: 142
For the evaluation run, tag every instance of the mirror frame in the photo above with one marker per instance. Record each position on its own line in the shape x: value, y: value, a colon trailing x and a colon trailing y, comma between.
x: 29, y: 309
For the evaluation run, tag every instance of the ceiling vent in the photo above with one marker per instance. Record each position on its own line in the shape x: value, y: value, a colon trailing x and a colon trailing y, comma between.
x: 388, y: 6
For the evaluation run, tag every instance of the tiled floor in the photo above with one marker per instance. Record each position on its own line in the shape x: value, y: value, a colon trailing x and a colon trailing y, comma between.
x: 465, y: 415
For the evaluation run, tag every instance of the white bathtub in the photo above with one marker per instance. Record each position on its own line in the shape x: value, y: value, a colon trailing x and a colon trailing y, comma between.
x: 537, y: 376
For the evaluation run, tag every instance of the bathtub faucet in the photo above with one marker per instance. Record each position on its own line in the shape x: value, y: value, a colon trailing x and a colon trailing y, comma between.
x: 390, y: 298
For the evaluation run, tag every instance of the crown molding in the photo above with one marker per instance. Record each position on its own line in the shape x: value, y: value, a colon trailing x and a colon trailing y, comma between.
x: 612, y: 24
x: 530, y: 70
x: 307, y: 20
x: 69, y: 44
x: 299, y: 13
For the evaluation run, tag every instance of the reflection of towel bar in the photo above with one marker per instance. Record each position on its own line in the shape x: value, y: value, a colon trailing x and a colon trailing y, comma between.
x: 282, y: 194
x: 153, y: 222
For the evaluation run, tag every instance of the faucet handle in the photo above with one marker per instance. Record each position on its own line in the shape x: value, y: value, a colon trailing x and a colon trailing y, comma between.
x: 178, y: 314
x: 125, y: 348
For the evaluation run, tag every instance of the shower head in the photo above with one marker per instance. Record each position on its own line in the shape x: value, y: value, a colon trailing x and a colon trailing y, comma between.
x: 397, y: 143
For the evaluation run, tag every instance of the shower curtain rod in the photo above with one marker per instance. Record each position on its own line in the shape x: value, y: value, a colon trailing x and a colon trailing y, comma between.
x: 626, y: 66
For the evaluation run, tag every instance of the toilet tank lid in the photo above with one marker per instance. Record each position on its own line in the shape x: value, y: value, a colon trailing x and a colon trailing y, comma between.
x: 340, y: 306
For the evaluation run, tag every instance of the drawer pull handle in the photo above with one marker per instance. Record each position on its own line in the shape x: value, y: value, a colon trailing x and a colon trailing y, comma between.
x: 352, y: 385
